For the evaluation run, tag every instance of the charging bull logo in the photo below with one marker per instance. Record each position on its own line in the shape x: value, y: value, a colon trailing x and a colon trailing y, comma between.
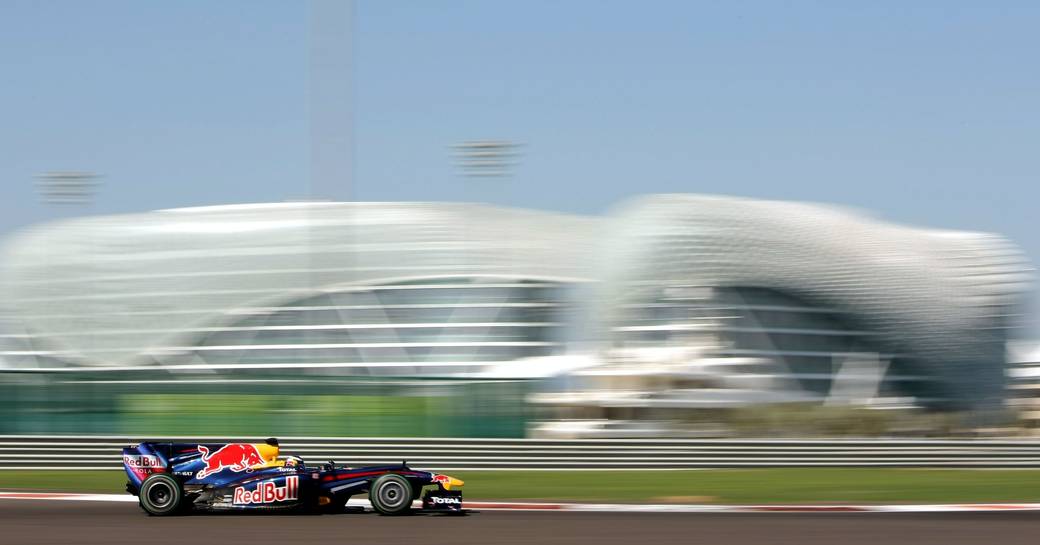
x: 236, y: 456
x: 443, y: 479
x: 267, y: 492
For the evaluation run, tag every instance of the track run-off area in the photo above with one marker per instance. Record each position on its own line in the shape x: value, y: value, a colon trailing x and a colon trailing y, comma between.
x: 358, y: 503
x: 99, y: 521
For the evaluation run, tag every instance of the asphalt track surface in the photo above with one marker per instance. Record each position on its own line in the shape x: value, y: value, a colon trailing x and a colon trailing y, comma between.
x: 71, y: 522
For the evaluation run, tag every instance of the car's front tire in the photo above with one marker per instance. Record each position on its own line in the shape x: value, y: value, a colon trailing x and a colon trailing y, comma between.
x: 160, y: 495
x: 391, y: 495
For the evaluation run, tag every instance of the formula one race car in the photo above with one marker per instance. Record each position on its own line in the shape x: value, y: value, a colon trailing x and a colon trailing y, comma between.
x: 170, y: 478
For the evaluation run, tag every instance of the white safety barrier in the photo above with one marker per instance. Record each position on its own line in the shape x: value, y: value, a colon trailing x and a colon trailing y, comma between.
x: 103, y: 452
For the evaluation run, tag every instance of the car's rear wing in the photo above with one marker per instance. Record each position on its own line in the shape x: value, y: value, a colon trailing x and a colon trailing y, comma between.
x: 144, y: 459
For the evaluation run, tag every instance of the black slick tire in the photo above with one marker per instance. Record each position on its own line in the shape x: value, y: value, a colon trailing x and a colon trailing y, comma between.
x: 391, y: 494
x: 160, y: 495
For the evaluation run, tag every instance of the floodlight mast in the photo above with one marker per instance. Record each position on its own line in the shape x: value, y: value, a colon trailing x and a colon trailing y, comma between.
x: 67, y: 186
x: 486, y: 158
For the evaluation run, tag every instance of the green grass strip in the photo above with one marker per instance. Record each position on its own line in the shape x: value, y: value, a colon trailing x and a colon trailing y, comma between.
x: 823, y: 485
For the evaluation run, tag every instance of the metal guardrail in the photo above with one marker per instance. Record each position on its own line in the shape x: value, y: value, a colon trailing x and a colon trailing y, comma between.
x: 99, y: 452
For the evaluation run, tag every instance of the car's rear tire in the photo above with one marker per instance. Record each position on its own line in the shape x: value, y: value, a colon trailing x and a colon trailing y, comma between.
x: 160, y: 495
x: 391, y: 494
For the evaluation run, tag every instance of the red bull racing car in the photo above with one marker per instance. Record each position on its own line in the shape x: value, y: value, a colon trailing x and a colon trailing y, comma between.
x: 170, y: 478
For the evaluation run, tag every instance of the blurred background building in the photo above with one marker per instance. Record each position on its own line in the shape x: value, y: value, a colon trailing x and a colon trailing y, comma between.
x: 462, y: 319
x: 348, y: 289
x: 1025, y: 384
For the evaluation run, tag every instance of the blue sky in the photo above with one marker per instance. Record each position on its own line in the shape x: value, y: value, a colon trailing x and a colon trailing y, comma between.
x: 923, y: 112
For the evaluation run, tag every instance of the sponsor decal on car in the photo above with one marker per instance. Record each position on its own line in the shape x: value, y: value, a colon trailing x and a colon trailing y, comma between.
x: 142, y: 461
x: 446, y: 481
x: 267, y: 492
x: 449, y: 500
x: 237, y: 457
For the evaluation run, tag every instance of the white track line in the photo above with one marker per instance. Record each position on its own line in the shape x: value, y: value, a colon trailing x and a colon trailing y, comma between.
x: 615, y: 508
x: 62, y: 496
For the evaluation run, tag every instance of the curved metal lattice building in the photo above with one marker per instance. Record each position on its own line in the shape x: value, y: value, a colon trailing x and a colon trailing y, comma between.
x: 755, y: 300
x: 800, y: 284
x: 365, y: 288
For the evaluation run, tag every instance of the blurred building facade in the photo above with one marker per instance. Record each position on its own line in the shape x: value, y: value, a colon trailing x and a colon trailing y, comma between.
x: 670, y: 303
x: 714, y: 303
x: 371, y: 289
x: 331, y: 318
x: 1025, y: 384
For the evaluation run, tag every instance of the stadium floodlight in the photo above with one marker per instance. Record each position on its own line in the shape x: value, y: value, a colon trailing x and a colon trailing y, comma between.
x: 486, y: 158
x: 67, y: 187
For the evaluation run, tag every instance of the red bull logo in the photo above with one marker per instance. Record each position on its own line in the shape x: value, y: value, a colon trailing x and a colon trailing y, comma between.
x: 267, y: 492
x: 443, y: 479
x: 143, y: 461
x: 142, y: 465
x: 235, y: 456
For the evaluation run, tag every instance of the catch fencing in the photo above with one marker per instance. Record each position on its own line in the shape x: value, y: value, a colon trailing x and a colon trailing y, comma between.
x: 97, y: 452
